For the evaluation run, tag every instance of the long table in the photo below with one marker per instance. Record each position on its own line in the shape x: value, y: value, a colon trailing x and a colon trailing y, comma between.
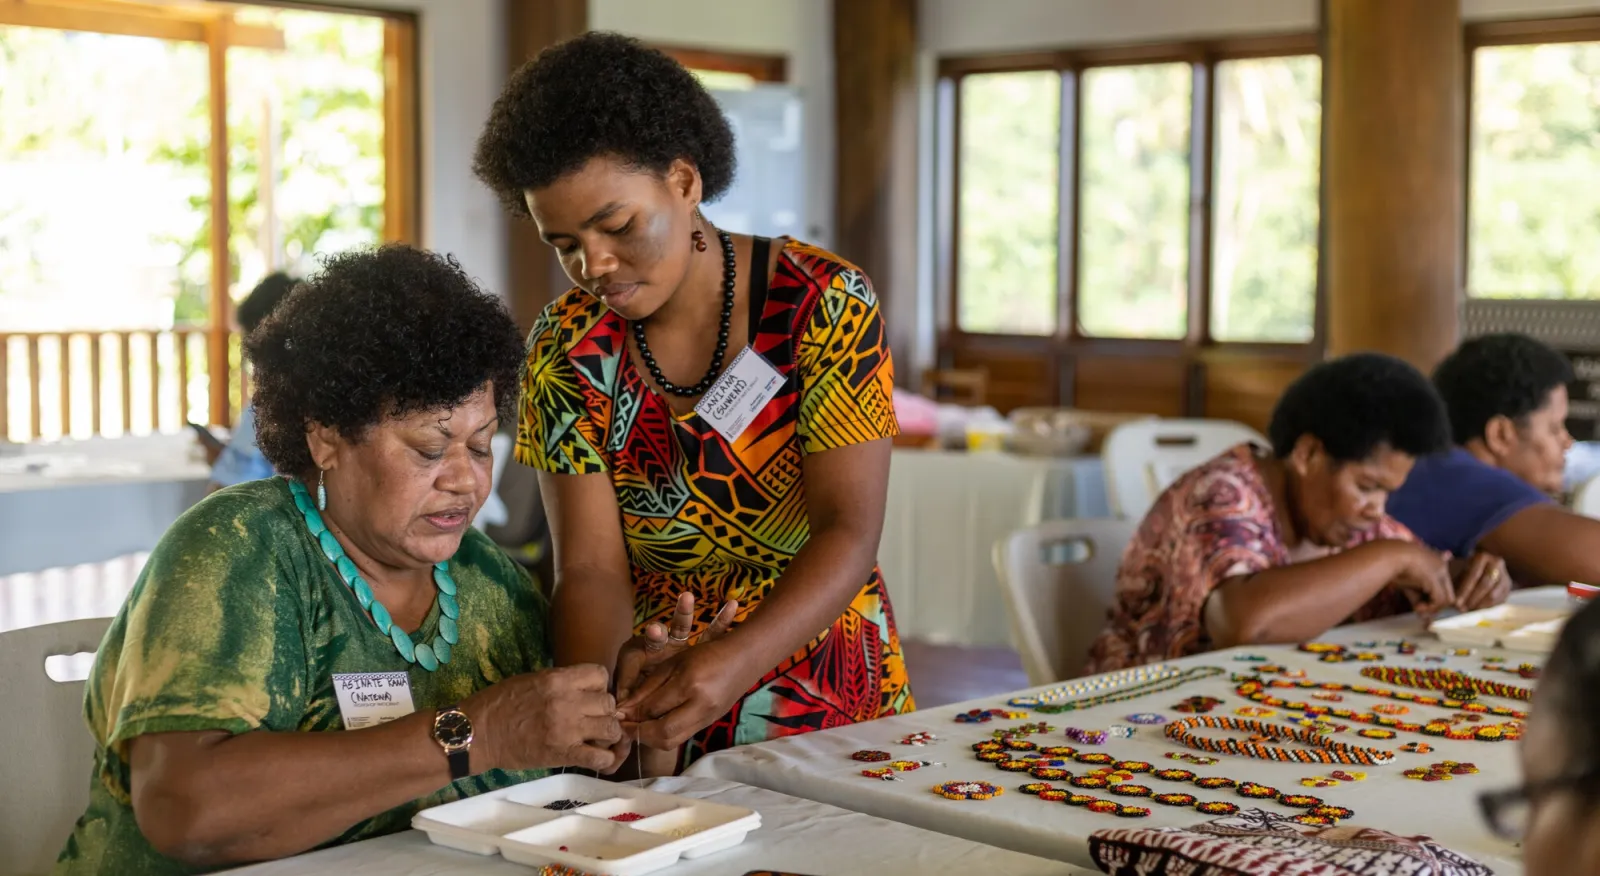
x: 797, y: 836
x: 818, y: 766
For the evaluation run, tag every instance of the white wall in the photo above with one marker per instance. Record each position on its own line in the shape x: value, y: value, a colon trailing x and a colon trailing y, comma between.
x: 462, y: 66
x: 801, y: 30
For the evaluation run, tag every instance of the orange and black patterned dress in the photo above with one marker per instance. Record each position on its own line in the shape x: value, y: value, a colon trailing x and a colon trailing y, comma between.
x: 723, y: 519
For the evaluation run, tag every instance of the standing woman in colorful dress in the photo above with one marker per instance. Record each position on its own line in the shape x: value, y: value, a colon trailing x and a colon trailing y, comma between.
x: 710, y: 413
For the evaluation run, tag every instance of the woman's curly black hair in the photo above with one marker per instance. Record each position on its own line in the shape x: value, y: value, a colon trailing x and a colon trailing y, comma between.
x: 377, y: 333
x: 1357, y: 403
x: 1501, y: 375
x: 601, y: 94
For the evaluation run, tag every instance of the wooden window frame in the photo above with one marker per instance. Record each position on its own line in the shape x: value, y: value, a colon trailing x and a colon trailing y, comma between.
x: 1197, y: 345
x: 1493, y: 34
x: 213, y: 26
x: 761, y: 68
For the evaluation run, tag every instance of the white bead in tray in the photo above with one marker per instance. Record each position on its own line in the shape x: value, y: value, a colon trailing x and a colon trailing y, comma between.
x: 568, y: 820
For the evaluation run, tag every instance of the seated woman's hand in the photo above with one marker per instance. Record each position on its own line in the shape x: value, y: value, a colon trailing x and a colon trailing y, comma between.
x: 1481, y: 581
x: 552, y: 718
x: 639, y: 658
x: 1423, y: 573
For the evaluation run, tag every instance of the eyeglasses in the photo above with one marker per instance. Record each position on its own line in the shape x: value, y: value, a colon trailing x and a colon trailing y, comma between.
x: 1508, y: 810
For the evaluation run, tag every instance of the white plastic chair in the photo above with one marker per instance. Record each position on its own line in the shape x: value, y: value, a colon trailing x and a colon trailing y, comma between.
x: 1586, y: 498
x: 1144, y: 457
x: 48, y: 755
x: 1059, y: 579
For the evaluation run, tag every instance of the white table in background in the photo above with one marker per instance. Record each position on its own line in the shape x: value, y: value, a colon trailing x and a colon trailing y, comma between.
x: 945, y: 512
x: 797, y: 836
x: 75, y: 502
x: 817, y: 766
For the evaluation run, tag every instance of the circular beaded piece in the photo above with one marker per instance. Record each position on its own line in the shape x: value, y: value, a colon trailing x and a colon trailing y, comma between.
x: 1050, y: 774
x: 1174, y: 775
x: 1134, y: 766
x: 967, y: 790
x: 1257, y: 792
x: 1175, y: 799
x: 919, y: 738
x: 1215, y: 783
x: 1076, y: 799
x: 1375, y: 733
x: 1090, y: 782
x: 1094, y: 757
x: 1417, y: 748
x: 868, y: 755
x: 1312, y: 820
x: 988, y: 745
x: 1128, y: 789
x: 1299, y: 801
x: 1055, y: 795
x: 1015, y: 766
x: 1216, y: 807
x: 1021, y: 745
x: 994, y: 756
x: 1104, y: 807
x: 1132, y: 812
x: 1058, y: 751
x: 1035, y: 788
x: 1146, y: 718
x: 1344, y: 776
x: 1337, y: 813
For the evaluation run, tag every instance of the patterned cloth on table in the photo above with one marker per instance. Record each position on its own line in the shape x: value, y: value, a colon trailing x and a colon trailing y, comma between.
x: 1258, y: 843
x: 723, y: 519
x: 1217, y: 522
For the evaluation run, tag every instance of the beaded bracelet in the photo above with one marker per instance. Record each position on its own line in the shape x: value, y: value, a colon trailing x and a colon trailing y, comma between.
x: 1257, y: 691
x: 1446, y: 680
x: 1148, y: 680
x: 1324, y: 750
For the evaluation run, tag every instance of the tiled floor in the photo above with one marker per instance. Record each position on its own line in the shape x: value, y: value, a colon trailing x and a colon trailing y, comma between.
x: 940, y: 674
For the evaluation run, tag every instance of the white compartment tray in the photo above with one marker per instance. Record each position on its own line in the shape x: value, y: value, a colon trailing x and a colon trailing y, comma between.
x: 1497, y: 626
x: 537, y: 824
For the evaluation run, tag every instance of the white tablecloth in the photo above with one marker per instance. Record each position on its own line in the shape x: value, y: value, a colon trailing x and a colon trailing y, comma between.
x: 818, y: 765
x: 946, y: 511
x: 796, y: 835
x: 70, y: 503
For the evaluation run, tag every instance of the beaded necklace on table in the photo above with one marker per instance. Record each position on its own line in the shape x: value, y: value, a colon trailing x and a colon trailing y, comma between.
x: 1256, y: 691
x: 1322, y: 749
x: 429, y: 656
x: 1448, y: 680
x: 1148, y: 680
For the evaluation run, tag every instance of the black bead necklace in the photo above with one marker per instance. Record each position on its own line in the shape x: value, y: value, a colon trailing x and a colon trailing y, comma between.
x: 728, y: 271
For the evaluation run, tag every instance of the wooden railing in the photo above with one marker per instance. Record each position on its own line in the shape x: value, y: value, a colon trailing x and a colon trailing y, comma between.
x: 88, y: 383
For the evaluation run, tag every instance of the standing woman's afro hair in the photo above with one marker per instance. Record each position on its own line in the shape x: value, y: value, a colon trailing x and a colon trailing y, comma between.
x: 601, y: 94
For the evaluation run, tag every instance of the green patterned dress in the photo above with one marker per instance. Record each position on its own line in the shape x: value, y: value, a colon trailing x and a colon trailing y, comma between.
x: 238, y: 623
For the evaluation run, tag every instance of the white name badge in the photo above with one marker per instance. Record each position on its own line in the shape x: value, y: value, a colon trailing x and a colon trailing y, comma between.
x: 739, y: 394
x: 367, y: 699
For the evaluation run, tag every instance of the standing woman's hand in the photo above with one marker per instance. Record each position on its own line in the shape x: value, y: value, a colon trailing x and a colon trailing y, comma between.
x: 688, y: 692
x: 640, y: 657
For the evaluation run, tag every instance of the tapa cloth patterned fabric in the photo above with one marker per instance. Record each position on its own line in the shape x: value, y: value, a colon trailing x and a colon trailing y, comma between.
x: 1258, y: 843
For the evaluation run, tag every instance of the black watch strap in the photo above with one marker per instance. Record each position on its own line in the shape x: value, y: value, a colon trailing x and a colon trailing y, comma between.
x: 460, y: 764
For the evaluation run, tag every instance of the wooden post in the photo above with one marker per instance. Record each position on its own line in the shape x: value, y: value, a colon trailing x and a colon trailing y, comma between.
x: 875, y: 125
x: 1393, y: 171
x: 534, y: 275
x: 221, y: 304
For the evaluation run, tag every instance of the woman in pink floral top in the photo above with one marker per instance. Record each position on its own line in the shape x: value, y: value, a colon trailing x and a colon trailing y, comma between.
x: 1279, y: 545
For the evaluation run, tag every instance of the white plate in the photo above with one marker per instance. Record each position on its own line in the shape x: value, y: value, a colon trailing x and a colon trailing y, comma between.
x: 1491, y: 626
x: 519, y: 824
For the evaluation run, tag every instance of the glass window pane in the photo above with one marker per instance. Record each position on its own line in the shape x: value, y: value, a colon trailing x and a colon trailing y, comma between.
x: 1534, y: 204
x: 1264, y: 234
x: 1007, y: 223
x: 1133, y: 252
x: 305, y: 138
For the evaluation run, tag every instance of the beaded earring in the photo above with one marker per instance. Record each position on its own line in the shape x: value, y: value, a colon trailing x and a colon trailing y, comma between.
x: 699, y: 238
x: 322, y: 492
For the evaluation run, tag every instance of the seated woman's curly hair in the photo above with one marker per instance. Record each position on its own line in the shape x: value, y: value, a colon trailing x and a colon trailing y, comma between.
x: 601, y: 94
x: 377, y: 333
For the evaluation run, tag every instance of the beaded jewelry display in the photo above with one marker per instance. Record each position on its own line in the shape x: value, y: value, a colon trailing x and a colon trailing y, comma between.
x: 1320, y: 782
x: 1337, y: 813
x: 1256, y: 791
x: 1050, y: 774
x: 1417, y: 748
x: 1442, y: 772
x: 1134, y: 766
x: 1056, y: 795
x: 1086, y: 737
x: 1258, y: 692
x: 984, y: 716
x: 1174, y: 775
x: 919, y: 739
x: 968, y: 790
x: 1022, y: 730
x: 1176, y: 799
x: 1343, y: 776
x: 1128, y: 789
x: 1197, y: 705
x: 1094, y: 757
x: 1216, y: 808
x: 1215, y: 783
x: 1299, y: 801
x: 1015, y: 766
x: 1391, y: 709
x: 1322, y: 749
x: 1449, y: 681
x: 1120, y: 731
x: 1255, y: 712
x: 1196, y: 759
x: 1058, y: 751
x: 1101, y: 690
x: 428, y: 655
x: 1146, y: 719
x: 870, y: 756
x: 1525, y: 670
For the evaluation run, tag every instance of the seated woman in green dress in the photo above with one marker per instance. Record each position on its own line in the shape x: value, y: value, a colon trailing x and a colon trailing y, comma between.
x: 308, y: 660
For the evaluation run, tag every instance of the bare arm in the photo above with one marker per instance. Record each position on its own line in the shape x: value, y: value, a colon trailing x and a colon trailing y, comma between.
x: 1549, y: 543
x: 1302, y: 601
x: 306, y: 788
x: 592, y: 607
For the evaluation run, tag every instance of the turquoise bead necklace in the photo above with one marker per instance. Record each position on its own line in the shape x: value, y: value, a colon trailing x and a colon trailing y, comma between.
x: 428, y: 656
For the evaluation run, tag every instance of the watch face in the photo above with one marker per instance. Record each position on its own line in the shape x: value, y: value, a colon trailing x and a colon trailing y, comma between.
x: 452, y: 728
